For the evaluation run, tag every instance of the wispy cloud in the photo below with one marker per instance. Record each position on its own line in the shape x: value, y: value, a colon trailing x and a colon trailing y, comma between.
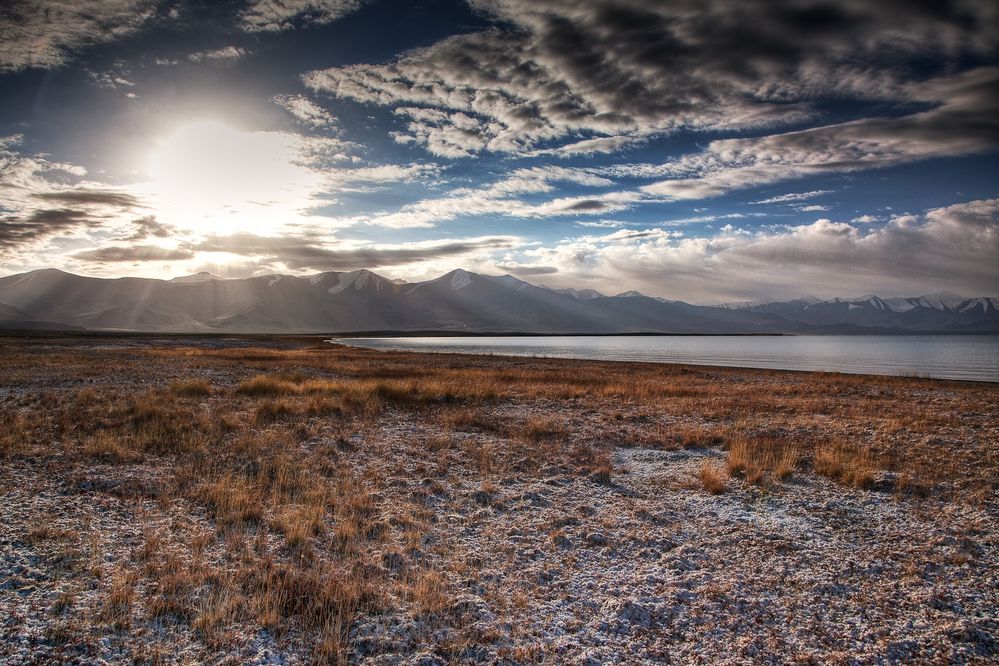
x: 306, y: 111
x: 792, y: 197
x: 225, y: 53
x: 315, y: 253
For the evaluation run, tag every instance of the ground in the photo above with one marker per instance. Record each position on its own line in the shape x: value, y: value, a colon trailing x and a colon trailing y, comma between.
x: 284, y: 500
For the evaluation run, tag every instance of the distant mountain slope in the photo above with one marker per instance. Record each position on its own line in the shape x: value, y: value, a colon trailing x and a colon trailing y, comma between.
x: 942, y: 311
x: 13, y: 319
x: 458, y: 301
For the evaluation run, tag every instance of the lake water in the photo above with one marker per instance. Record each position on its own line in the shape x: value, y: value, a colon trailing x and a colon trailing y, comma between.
x: 944, y: 356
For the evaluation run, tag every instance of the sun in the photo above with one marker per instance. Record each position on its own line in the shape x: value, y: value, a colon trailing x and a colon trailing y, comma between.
x: 213, y: 179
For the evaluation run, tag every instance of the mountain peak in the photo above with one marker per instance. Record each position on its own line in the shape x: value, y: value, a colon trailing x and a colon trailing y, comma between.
x: 360, y: 279
x: 460, y: 278
x: 203, y: 276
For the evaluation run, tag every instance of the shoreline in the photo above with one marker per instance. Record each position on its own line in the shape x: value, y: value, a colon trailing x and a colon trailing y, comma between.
x: 689, y: 360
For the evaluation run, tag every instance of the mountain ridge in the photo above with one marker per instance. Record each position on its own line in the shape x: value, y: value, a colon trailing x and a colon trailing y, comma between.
x: 457, y: 301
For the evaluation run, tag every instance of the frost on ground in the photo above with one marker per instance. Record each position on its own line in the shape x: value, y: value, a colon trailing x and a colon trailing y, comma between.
x: 540, y: 525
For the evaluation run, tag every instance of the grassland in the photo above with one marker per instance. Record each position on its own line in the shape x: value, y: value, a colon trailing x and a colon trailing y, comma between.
x: 286, y: 500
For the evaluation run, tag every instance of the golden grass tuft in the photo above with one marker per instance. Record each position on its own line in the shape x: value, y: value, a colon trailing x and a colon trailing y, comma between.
x: 428, y: 592
x: 233, y: 500
x: 544, y: 429
x: 112, y: 447
x: 117, y: 606
x: 712, y: 477
x: 267, y: 385
x: 848, y: 465
x: 762, y: 460
x: 269, y: 411
x: 191, y: 388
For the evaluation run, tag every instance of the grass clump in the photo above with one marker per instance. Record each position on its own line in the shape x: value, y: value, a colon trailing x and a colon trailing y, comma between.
x: 191, y: 388
x: 762, y: 460
x: 847, y: 465
x: 712, y: 477
x: 267, y: 385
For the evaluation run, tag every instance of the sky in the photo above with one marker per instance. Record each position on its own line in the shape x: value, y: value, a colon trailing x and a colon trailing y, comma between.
x: 703, y: 150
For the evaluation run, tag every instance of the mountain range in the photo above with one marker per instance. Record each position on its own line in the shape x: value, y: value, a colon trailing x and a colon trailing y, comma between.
x: 459, y: 301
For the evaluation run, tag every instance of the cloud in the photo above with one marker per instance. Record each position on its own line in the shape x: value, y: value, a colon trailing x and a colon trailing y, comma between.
x: 92, y: 196
x: 791, y: 197
x: 149, y: 227
x: 113, y: 78
x: 964, y: 120
x: 554, y: 70
x: 279, y: 15
x: 41, y: 223
x: 361, y: 178
x: 42, y: 199
x: 118, y: 253
x: 599, y: 145
x: 311, y: 252
x: 226, y: 53
x: 502, y: 198
x: 951, y: 248
x: 305, y: 110
x: 601, y: 224
x: 47, y: 34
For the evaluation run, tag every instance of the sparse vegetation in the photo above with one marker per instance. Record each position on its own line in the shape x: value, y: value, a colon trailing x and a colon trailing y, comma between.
x: 296, y: 491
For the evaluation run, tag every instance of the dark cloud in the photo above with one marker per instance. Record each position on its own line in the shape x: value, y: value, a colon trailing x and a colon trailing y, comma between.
x: 46, y: 34
x: 114, y: 253
x: 307, y: 252
x: 39, y: 224
x: 278, y: 15
x: 964, y: 120
x: 91, y: 197
x: 586, y: 205
x: 617, y: 67
x: 149, y: 227
x: 528, y: 270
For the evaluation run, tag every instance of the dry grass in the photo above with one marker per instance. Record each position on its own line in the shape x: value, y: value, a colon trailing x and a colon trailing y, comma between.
x: 108, y: 446
x: 848, y: 465
x: 428, y: 592
x: 297, y: 533
x: 266, y: 385
x: 762, y: 460
x: 117, y: 607
x: 191, y: 388
x: 713, y: 478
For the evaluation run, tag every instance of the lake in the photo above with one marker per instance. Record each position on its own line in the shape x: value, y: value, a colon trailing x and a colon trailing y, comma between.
x: 974, y: 357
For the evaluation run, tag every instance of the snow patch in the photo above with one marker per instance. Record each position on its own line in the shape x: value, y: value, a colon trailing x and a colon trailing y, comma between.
x: 356, y: 279
x: 460, y: 279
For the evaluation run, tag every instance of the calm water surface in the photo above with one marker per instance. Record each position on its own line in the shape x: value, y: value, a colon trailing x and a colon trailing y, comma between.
x: 944, y: 356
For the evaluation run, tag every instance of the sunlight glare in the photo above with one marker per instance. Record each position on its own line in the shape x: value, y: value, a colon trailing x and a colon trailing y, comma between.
x: 210, y: 178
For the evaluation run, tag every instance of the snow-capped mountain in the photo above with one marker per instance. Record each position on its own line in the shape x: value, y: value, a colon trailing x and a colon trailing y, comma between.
x: 943, y: 311
x: 457, y: 301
